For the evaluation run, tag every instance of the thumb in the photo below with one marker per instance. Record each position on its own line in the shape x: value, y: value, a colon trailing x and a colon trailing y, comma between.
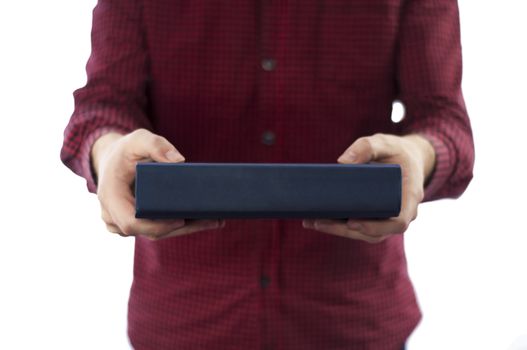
x: 148, y: 145
x: 360, y: 151
x: 173, y: 156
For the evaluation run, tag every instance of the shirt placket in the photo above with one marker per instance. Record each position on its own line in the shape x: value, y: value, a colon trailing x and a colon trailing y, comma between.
x: 272, y: 78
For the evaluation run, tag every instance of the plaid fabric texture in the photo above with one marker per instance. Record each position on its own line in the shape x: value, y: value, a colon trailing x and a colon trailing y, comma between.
x: 273, y: 81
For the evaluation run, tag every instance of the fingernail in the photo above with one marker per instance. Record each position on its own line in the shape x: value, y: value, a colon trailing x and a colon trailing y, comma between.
x: 352, y: 157
x: 174, y: 156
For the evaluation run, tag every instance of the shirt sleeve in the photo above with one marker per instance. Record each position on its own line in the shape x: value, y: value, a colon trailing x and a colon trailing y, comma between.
x: 114, y: 97
x: 429, y: 81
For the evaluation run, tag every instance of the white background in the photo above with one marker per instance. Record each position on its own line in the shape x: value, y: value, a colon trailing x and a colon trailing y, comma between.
x: 64, y: 281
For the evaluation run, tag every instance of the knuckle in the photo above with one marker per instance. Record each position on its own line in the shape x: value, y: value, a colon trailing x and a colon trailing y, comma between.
x: 128, y: 228
x: 367, y: 143
x: 141, y: 132
x: 106, y: 218
x: 160, y: 145
x: 157, y: 141
x: 402, y: 225
x: 111, y: 228
x: 379, y: 135
x: 418, y: 194
x: 414, y: 215
x: 362, y: 140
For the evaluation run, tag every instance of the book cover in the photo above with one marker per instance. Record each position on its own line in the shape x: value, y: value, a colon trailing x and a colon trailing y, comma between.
x: 280, y: 191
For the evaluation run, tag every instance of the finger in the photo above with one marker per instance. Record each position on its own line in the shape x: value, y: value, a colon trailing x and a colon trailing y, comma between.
x: 366, y: 149
x: 308, y: 223
x: 410, y: 200
x: 192, y: 227
x: 113, y: 229
x: 123, y: 214
x: 412, y: 194
x: 147, y: 145
x: 105, y: 216
x: 110, y: 226
x: 379, y: 228
x: 340, y: 228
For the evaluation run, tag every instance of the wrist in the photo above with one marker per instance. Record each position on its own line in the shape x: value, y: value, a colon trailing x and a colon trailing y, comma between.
x: 426, y: 153
x: 100, y: 148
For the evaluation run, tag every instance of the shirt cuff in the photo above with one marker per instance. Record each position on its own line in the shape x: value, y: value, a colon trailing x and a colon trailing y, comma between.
x: 85, y: 154
x: 442, y: 168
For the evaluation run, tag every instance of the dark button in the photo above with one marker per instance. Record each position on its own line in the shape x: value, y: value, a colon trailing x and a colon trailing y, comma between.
x: 264, y: 281
x: 268, y: 138
x: 268, y: 64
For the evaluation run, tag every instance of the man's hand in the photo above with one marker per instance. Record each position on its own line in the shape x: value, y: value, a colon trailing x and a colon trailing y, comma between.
x: 416, y: 157
x: 114, y: 157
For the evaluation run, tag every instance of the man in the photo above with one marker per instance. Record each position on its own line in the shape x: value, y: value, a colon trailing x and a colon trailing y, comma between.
x: 271, y: 81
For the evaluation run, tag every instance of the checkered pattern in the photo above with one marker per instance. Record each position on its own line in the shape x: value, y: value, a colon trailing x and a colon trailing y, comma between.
x: 194, y: 72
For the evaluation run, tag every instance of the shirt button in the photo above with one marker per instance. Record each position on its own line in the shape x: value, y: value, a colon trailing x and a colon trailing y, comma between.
x: 268, y: 64
x: 264, y: 281
x: 268, y: 138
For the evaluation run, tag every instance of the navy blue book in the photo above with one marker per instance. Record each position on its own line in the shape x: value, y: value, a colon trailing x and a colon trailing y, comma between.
x: 283, y: 191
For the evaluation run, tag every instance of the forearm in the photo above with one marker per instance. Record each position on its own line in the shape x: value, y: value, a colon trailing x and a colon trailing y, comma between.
x: 429, y: 82
x: 114, y: 98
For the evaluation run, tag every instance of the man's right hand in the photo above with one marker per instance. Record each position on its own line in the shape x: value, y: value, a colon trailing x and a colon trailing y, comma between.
x: 114, y: 157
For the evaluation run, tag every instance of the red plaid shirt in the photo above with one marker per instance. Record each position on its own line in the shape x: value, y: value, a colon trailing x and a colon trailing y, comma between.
x: 273, y: 81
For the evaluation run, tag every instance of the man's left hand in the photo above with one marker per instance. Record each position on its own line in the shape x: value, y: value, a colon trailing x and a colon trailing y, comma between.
x: 415, y: 155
